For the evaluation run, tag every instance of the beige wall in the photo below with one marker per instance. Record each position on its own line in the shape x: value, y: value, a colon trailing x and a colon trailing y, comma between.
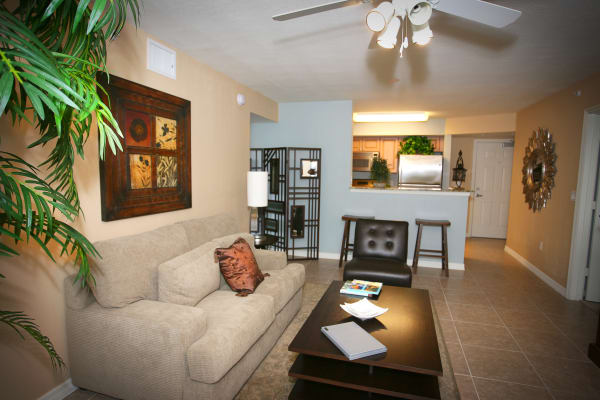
x: 220, y: 142
x: 562, y: 113
x: 492, y: 123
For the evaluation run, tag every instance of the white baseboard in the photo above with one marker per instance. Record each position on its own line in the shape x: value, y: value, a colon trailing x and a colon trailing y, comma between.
x: 333, y: 256
x: 61, y: 391
x: 422, y: 263
x: 538, y: 272
x: 437, y: 264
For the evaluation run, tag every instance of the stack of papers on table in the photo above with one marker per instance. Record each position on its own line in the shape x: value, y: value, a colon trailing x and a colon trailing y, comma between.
x: 353, y: 341
x: 363, y: 309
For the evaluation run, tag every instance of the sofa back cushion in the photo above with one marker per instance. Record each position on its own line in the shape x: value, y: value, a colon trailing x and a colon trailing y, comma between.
x: 128, y: 269
x: 190, y: 277
x: 202, y: 230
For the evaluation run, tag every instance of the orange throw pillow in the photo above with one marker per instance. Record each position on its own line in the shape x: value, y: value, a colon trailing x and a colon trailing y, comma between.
x: 239, y: 267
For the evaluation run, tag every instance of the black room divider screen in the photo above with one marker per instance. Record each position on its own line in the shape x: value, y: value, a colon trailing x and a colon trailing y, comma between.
x: 294, y: 209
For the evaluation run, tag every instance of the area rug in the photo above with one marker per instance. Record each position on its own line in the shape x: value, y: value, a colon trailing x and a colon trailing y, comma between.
x: 271, y: 380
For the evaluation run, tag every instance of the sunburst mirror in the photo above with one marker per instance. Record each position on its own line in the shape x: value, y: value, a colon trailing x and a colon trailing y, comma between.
x: 539, y: 169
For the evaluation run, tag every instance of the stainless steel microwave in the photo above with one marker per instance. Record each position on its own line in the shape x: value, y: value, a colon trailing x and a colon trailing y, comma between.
x: 362, y: 161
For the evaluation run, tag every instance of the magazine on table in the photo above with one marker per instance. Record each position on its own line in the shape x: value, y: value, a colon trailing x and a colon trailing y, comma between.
x: 361, y: 288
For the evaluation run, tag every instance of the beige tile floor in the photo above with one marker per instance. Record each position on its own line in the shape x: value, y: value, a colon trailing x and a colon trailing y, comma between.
x: 509, y: 335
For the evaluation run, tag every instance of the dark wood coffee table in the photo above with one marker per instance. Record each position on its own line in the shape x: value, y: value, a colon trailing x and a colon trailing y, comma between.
x: 409, y: 369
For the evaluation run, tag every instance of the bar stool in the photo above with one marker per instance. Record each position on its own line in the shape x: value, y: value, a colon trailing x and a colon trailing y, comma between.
x: 346, y: 245
x: 443, y: 253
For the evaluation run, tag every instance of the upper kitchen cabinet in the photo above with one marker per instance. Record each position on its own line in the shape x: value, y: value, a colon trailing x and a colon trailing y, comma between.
x: 388, y: 146
x: 388, y: 149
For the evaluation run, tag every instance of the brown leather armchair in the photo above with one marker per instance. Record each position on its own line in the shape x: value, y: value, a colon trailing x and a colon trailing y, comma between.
x: 380, y: 253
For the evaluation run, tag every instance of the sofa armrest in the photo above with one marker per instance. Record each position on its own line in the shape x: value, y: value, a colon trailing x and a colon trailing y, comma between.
x: 270, y: 260
x: 137, y: 351
x: 76, y: 296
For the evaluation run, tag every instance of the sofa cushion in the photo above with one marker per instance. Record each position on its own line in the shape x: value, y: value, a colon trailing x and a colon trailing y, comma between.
x: 128, y: 269
x: 234, y: 325
x: 190, y: 277
x: 202, y: 230
x: 282, y: 284
x: 239, y: 267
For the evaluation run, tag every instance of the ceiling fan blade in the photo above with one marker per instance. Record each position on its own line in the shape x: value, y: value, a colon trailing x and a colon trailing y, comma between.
x: 314, y: 10
x: 479, y: 11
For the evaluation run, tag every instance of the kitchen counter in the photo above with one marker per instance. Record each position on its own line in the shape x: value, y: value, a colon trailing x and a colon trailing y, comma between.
x: 395, y: 190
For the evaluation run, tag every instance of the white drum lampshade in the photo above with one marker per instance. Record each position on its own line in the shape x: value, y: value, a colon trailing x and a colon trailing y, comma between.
x: 258, y: 182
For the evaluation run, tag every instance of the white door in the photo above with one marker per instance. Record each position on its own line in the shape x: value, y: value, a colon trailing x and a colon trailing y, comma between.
x: 592, y: 285
x: 492, y: 168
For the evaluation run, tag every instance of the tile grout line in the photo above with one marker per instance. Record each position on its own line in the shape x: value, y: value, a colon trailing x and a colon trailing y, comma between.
x: 526, y: 358
x: 461, y: 349
x: 509, y: 382
x: 566, y: 336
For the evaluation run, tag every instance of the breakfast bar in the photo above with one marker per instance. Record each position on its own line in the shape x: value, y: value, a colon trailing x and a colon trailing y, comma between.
x: 409, y: 205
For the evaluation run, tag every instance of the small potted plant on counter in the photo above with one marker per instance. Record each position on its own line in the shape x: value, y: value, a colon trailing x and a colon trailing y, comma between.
x: 380, y: 172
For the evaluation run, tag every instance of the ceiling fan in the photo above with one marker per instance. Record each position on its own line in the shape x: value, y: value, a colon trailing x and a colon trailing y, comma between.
x: 391, y: 18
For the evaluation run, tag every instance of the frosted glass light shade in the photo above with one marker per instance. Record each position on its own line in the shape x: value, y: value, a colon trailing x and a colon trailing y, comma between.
x: 422, y: 34
x: 387, y: 39
x: 258, y: 182
x: 378, y: 18
x: 420, y: 13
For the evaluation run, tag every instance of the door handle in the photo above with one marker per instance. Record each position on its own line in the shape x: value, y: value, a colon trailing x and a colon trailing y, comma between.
x: 478, y: 195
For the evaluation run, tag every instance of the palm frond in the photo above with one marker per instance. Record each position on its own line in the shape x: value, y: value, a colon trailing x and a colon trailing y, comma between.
x: 20, y: 321
x: 50, y: 53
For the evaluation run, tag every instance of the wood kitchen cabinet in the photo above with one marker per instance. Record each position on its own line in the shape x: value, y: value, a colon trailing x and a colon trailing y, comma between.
x: 388, y: 146
x: 388, y: 150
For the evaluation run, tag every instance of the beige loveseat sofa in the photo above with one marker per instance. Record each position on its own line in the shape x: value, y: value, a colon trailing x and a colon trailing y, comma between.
x: 163, y: 324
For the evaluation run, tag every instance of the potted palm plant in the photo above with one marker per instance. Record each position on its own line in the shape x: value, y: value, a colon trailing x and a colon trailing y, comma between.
x: 50, y: 52
x: 380, y: 172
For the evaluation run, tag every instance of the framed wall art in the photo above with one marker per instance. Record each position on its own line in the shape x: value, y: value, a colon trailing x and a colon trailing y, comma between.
x: 297, y: 225
x: 310, y: 169
x: 153, y: 172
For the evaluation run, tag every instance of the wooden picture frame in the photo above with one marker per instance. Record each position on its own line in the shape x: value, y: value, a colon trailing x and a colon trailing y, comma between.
x: 297, y: 222
x: 153, y: 172
x: 309, y: 169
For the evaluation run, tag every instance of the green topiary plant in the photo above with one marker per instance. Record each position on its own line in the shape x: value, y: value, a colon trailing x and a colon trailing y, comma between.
x: 416, y: 145
x: 379, y: 170
x: 50, y: 52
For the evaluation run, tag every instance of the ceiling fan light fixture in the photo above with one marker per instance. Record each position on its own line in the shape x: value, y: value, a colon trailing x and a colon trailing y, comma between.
x: 380, y: 16
x: 390, y: 117
x: 388, y: 38
x: 422, y: 34
x: 420, y: 12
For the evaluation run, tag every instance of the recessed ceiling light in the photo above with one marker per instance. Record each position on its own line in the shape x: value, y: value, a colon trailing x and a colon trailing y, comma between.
x: 390, y: 117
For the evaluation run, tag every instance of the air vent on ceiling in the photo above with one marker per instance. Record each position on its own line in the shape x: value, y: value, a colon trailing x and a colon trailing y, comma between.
x: 161, y: 59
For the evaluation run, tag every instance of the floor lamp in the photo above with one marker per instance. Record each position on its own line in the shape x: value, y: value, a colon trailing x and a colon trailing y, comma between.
x: 258, y: 182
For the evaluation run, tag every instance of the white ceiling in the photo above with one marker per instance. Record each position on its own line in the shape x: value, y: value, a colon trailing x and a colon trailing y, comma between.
x: 467, y: 69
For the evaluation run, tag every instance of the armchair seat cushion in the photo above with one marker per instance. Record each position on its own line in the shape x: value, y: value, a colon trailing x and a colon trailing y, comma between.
x: 234, y: 324
x: 389, y: 272
x: 282, y: 284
